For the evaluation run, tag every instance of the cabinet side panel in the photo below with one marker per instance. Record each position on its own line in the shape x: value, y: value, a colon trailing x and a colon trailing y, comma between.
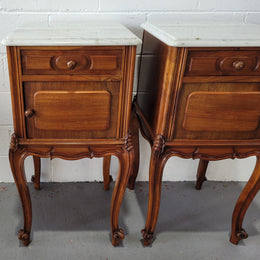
x: 148, y: 85
x: 158, y: 72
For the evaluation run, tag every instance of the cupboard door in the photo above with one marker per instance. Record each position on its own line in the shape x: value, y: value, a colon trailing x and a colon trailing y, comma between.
x: 218, y: 111
x: 222, y: 111
x: 71, y: 109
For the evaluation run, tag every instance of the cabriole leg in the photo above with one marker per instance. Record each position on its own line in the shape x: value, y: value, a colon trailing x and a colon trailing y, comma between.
x: 37, y: 172
x: 157, y: 163
x: 16, y: 158
x: 134, y: 124
x: 106, y: 176
x: 203, y: 165
x: 243, y: 202
x: 125, y: 167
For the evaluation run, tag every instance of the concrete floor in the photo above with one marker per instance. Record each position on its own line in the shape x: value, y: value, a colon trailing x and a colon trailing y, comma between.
x: 71, y: 221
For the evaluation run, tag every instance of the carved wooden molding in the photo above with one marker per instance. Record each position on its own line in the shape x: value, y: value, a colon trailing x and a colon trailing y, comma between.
x: 158, y: 144
x: 200, y: 153
x: 196, y: 152
x: 128, y: 142
x: 70, y: 153
x: 65, y: 62
x: 14, y: 142
x: 227, y: 64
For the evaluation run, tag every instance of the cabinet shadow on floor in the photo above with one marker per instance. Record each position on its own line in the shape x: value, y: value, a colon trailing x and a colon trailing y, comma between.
x: 185, y: 209
x: 70, y: 207
x: 86, y: 207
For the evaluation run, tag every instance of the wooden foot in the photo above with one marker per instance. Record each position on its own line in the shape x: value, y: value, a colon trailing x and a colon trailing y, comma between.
x: 37, y: 172
x: 147, y: 237
x: 203, y: 164
x: 24, y: 237
x: 117, y: 236
x: 134, y: 125
x: 243, y: 202
x: 106, y: 176
x: 125, y: 168
x: 16, y: 158
x: 157, y: 163
x: 241, y: 234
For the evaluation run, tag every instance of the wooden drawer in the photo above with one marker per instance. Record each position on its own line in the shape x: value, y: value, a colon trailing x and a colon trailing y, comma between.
x: 222, y: 63
x: 78, y: 110
x: 88, y: 61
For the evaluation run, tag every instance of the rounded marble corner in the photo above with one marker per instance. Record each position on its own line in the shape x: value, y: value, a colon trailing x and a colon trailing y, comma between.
x: 4, y: 42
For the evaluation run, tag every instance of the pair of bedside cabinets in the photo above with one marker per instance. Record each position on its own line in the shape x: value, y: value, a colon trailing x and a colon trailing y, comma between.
x: 198, y: 97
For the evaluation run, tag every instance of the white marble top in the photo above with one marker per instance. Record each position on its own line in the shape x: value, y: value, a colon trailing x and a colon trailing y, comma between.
x: 71, y: 34
x: 205, y: 35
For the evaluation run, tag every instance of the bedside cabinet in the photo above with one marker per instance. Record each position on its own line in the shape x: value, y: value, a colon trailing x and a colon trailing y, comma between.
x: 199, y: 97
x: 71, y: 89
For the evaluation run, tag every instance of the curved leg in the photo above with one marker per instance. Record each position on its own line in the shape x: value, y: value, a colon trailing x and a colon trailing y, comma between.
x: 16, y: 158
x: 134, y: 124
x: 157, y: 163
x: 203, y: 164
x: 37, y: 172
x: 121, y: 182
x: 106, y: 176
x: 243, y: 202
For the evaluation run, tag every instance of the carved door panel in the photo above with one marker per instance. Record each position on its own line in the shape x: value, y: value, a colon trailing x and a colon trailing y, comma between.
x: 78, y: 110
x: 218, y: 111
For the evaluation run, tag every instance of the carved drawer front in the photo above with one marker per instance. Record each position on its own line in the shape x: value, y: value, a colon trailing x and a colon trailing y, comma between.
x: 218, y: 111
x: 71, y: 109
x: 90, y: 61
x: 223, y: 63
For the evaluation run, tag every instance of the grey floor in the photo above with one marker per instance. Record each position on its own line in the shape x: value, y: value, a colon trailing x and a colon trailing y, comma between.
x: 71, y: 221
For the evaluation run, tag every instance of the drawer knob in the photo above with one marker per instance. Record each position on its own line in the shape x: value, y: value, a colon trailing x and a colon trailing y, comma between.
x: 71, y: 64
x: 238, y: 65
x: 29, y: 113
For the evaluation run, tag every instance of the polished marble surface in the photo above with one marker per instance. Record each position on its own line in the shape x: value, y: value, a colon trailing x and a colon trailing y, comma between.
x: 205, y: 35
x: 72, y: 34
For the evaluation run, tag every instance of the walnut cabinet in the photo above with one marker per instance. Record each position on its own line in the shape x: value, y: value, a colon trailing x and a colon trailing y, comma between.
x: 199, y: 102
x: 71, y: 102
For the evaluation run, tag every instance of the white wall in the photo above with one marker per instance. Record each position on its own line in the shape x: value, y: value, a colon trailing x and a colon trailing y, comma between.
x: 132, y: 14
